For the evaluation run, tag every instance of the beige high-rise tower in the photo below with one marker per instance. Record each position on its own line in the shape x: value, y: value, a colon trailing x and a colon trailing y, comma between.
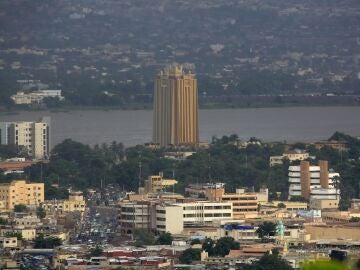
x: 175, y: 107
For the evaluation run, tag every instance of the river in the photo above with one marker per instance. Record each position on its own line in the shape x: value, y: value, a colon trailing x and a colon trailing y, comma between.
x: 293, y: 124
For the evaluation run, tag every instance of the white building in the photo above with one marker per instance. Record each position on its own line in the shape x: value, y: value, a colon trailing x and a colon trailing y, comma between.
x: 8, y: 242
x: 313, y: 182
x: 169, y: 218
x: 205, y: 212
x: 292, y: 155
x: 36, y: 97
x: 34, y: 136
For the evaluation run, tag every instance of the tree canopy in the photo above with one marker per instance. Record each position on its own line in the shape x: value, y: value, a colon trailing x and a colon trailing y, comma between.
x: 76, y: 165
x: 46, y: 242
x: 266, y: 230
x: 189, y: 255
x: 221, y: 247
x: 269, y: 262
x: 164, y: 239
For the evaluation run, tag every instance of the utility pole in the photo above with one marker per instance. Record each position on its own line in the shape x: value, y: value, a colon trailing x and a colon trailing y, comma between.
x: 140, y: 172
x: 41, y: 172
x: 209, y: 169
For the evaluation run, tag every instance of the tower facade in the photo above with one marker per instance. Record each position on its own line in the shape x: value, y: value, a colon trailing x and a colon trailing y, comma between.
x: 175, y: 107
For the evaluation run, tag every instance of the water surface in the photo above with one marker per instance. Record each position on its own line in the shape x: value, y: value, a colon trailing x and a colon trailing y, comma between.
x: 294, y: 124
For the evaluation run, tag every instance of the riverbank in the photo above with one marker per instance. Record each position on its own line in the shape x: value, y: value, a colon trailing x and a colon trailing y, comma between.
x: 214, y: 103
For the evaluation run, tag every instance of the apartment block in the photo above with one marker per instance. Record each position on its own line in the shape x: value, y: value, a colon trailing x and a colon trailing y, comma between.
x: 313, y: 182
x: 34, y: 136
x: 137, y: 215
x: 21, y: 192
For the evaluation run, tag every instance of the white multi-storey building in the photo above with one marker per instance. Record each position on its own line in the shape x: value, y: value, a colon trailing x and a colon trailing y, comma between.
x: 34, y: 136
x: 313, y: 182
x: 169, y: 218
x: 205, y: 212
x: 36, y: 97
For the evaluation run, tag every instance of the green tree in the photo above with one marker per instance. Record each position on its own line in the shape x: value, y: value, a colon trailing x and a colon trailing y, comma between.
x: 11, y: 150
x: 46, y: 242
x: 18, y: 208
x: 195, y: 241
x: 281, y: 205
x: 189, y: 255
x: 3, y: 221
x: 143, y: 237
x: 266, y: 230
x: 354, y: 219
x: 357, y: 264
x: 298, y: 199
x: 40, y: 212
x: 96, y: 251
x: 208, y: 246
x: 164, y: 239
x: 224, y: 245
x: 269, y: 262
x: 18, y: 235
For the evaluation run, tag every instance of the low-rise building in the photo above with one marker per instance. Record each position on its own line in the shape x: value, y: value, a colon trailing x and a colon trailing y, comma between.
x: 156, y: 183
x: 288, y: 205
x: 8, y: 242
x: 338, y: 145
x: 178, y: 155
x: 36, y: 97
x: 75, y: 203
x: 291, y: 155
x: 27, y: 221
x: 323, y: 204
x: 327, y: 231
x: 26, y: 233
x: 339, y: 216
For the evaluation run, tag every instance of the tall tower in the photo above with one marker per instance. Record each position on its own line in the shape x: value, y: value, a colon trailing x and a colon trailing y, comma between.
x: 175, y: 107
